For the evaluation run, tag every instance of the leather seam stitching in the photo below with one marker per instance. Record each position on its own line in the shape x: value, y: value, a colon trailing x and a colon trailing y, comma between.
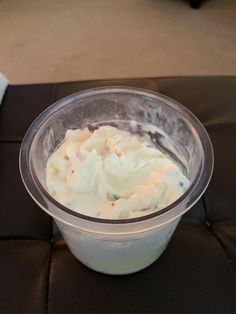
x: 208, y: 225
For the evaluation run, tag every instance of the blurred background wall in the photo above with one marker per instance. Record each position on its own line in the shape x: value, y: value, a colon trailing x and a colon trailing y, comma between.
x: 63, y: 40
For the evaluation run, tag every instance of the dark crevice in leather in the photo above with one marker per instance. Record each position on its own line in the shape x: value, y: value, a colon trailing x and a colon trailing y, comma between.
x: 223, y: 247
x: 11, y: 141
x: 205, y: 211
x: 20, y: 238
x: 226, y: 232
x: 194, y: 77
x: 209, y: 226
x: 218, y: 124
x: 193, y: 220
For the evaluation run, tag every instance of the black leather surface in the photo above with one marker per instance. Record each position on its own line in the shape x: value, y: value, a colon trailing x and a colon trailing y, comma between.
x: 193, y: 276
x: 196, y: 274
x: 25, y: 103
x: 20, y: 217
x: 24, y: 276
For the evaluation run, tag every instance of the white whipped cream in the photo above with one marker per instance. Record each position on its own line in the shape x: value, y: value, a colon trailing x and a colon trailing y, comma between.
x: 112, y: 174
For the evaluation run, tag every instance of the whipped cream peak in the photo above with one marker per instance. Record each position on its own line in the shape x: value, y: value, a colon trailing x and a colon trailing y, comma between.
x: 112, y: 174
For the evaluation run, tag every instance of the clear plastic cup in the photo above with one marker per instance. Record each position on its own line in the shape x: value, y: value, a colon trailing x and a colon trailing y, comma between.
x: 127, y: 245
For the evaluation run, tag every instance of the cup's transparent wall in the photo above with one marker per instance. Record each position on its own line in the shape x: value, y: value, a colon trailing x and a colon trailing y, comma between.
x: 124, y: 250
x: 119, y: 110
x: 118, y: 254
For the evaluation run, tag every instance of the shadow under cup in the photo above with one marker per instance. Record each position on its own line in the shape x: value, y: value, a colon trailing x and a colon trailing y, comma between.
x: 118, y: 246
